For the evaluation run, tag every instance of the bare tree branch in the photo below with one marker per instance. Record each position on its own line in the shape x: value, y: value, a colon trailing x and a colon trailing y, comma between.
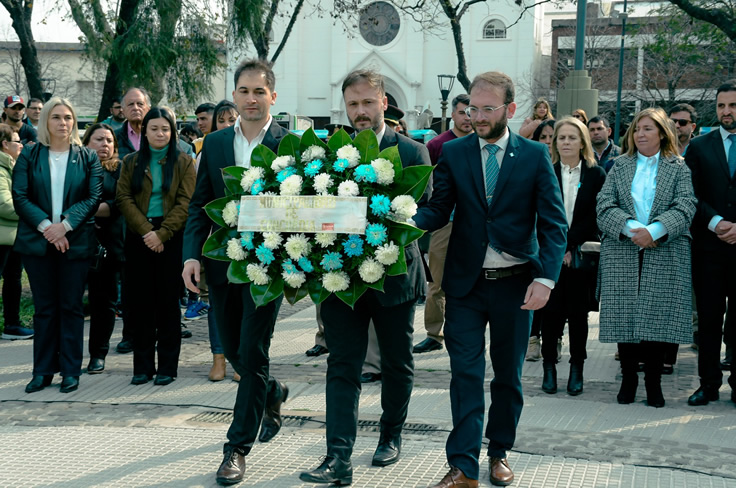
x: 288, y: 30
x: 724, y: 19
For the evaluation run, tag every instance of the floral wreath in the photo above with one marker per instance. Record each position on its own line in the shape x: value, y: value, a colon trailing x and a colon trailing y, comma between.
x: 319, y: 264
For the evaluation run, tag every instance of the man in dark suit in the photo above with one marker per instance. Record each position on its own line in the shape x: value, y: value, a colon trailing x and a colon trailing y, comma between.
x: 244, y: 329
x: 506, y: 199
x: 392, y: 312
x: 711, y: 158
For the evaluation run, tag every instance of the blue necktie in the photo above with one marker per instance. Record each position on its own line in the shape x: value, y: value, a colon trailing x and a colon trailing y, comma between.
x: 731, y: 156
x: 492, y: 170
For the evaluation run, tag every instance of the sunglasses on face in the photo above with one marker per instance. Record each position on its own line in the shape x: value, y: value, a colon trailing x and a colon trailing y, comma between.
x: 681, y: 122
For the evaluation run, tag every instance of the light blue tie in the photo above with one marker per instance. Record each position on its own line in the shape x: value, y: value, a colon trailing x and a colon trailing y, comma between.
x: 731, y: 156
x: 492, y: 170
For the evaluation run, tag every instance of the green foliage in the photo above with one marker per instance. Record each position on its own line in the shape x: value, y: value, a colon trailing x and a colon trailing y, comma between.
x: 367, y: 143
x: 339, y: 139
x: 310, y: 138
x: 290, y: 145
x: 264, y: 294
x: 392, y: 155
x: 232, y: 176
x: 215, y: 246
x: 414, y: 180
x: 215, y: 208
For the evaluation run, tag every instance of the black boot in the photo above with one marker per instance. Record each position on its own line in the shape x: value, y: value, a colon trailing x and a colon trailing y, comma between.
x: 549, y: 377
x: 629, y: 379
x: 575, y: 379
x: 653, y: 371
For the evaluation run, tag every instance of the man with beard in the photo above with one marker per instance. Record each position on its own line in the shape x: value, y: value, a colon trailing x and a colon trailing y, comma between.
x: 14, y: 110
x: 684, y: 116
x: 712, y: 158
x: 434, y: 309
x: 604, y: 148
x: 116, y: 117
x: 392, y: 313
x: 506, y: 198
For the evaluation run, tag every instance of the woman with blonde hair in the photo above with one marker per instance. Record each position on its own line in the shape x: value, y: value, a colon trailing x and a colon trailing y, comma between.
x: 56, y: 188
x: 580, y: 180
x: 540, y: 113
x: 644, y: 210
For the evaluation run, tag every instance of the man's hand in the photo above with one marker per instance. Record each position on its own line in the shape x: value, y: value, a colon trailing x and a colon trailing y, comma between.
x: 191, y: 275
x: 568, y: 259
x: 152, y: 241
x: 726, y: 231
x: 536, y: 296
x: 642, y: 238
x: 62, y: 244
x: 55, y: 232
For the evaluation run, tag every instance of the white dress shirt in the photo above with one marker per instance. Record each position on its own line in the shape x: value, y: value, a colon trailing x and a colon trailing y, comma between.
x: 726, y: 143
x: 571, y: 178
x: 243, y: 147
x: 643, y: 189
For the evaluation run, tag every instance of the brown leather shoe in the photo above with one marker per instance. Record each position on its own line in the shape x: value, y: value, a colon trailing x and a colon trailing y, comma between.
x: 456, y: 479
x: 232, y: 467
x: 501, y: 473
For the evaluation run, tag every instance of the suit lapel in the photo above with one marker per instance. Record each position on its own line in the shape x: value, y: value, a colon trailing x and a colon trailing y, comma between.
x: 228, y: 149
x: 476, y: 167
x: 666, y: 175
x: 71, y: 170
x: 718, y: 148
x: 45, y: 170
x: 507, y: 166
x: 389, y: 139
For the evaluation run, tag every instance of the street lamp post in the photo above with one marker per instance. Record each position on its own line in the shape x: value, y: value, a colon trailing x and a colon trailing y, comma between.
x: 445, y: 86
x: 618, y: 116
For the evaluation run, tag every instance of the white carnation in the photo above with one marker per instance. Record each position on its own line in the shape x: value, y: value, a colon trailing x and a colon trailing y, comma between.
x: 291, y: 185
x: 404, y: 207
x: 272, y: 240
x: 282, y: 162
x: 322, y: 183
x: 387, y: 253
x: 294, y: 280
x: 348, y: 189
x: 297, y: 246
x: 326, y: 240
x: 350, y: 153
x: 335, y: 281
x: 313, y: 152
x: 250, y: 176
x: 257, y: 274
x: 371, y: 270
x: 235, y: 251
x: 383, y: 171
x: 230, y: 213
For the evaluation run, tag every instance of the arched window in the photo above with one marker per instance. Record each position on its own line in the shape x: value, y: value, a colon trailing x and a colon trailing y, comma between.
x: 494, y: 29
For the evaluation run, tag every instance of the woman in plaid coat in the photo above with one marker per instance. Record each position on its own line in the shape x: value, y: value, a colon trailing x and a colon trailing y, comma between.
x: 644, y: 210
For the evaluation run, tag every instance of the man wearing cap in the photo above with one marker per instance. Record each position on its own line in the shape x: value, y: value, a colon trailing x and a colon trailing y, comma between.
x: 14, y: 109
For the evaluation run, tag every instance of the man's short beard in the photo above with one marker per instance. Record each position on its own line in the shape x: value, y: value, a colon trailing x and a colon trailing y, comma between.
x: 374, y: 123
x: 497, y: 129
x: 730, y: 126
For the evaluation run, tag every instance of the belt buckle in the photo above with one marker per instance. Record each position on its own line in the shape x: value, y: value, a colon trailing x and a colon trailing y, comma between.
x: 491, y: 274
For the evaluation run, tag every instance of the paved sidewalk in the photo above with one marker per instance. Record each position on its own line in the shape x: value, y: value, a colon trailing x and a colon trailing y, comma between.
x: 111, y: 433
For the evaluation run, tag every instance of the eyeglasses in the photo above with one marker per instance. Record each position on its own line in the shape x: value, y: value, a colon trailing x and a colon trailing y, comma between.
x: 682, y: 122
x: 488, y: 111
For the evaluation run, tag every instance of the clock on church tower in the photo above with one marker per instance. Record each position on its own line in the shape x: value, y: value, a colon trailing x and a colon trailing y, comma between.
x: 379, y: 23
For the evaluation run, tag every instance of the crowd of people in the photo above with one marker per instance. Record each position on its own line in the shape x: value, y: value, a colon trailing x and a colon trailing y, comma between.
x: 529, y: 232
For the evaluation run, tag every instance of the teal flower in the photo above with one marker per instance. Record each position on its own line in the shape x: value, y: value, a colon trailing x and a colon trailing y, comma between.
x: 246, y: 240
x: 305, y: 264
x: 366, y: 173
x: 376, y: 234
x: 289, y: 171
x: 258, y: 187
x: 341, y: 164
x: 264, y: 255
x: 289, y: 267
x: 380, y: 205
x: 313, y: 168
x: 353, y: 246
x: 331, y: 261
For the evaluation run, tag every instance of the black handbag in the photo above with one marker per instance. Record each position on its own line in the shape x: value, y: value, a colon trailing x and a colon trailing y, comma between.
x: 586, y: 256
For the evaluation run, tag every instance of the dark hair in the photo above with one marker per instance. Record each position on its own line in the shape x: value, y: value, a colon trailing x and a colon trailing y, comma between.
x: 99, y: 125
x: 727, y: 86
x: 223, y: 106
x: 256, y: 65
x: 145, y: 154
x: 684, y: 107
x: 190, y: 129
x: 371, y: 77
x: 31, y: 100
x: 205, y: 107
x: 6, y: 133
x: 498, y: 80
x: 596, y: 119
x: 463, y: 98
x: 541, y: 127
x: 118, y: 99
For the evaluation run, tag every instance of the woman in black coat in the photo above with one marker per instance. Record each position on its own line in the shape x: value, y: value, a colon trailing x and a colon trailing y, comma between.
x: 580, y: 180
x: 56, y: 188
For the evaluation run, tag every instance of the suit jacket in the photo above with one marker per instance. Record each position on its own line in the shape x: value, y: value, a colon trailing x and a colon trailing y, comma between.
x: 217, y: 153
x: 125, y: 147
x: 583, y: 227
x: 83, y: 183
x: 526, y: 204
x: 714, y: 190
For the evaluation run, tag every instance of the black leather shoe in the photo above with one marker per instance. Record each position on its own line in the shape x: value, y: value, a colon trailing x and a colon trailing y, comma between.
x: 726, y: 364
x: 232, y: 467
x: 140, y: 379
x: 628, y: 389
x: 162, y: 380
x: 370, y: 377
x: 95, y: 366
x: 427, y: 345
x: 38, y: 383
x: 575, y: 379
x: 271, y: 421
x: 388, y: 451
x: 549, y: 377
x: 331, y: 470
x: 69, y: 384
x: 125, y: 346
x: 704, y: 395
x: 317, y: 350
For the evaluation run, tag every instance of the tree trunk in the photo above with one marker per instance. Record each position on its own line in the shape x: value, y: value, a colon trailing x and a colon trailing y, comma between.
x: 21, y: 17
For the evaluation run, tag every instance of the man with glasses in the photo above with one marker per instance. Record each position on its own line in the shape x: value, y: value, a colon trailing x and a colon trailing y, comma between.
x: 116, y: 118
x: 506, y: 198
x: 33, y: 112
x: 684, y: 116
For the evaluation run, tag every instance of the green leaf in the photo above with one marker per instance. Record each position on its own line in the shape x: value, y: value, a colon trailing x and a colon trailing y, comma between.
x: 378, y: 285
x: 237, y: 272
x: 215, y: 209
x: 264, y: 294
x: 263, y: 157
x: 317, y: 292
x: 392, y: 155
x: 356, y: 288
x: 399, y: 267
x: 403, y: 234
x: 339, y: 139
x: 413, y: 181
x: 215, y: 246
x: 232, y: 176
x: 290, y: 145
x: 293, y: 295
x: 367, y: 144
x: 310, y: 138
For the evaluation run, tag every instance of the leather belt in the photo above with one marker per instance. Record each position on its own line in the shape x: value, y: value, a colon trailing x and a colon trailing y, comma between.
x: 498, y: 273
